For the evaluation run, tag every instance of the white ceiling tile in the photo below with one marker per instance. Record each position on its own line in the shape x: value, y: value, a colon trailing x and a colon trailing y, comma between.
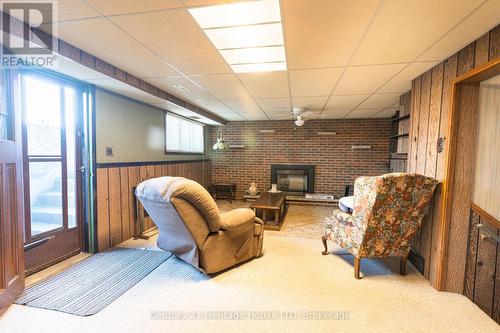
x: 74, y: 10
x: 166, y: 105
x: 365, y: 79
x: 473, y: 27
x: 337, y: 114
x: 313, y: 82
x: 65, y: 10
x: 113, y: 46
x: 126, y: 90
x: 233, y: 116
x: 255, y: 116
x: 380, y: 101
x: 243, y: 106
x: 281, y: 116
x: 402, y: 82
x: 214, y: 106
x: 175, y: 36
x: 347, y: 102
x: 309, y: 103
x: 324, y: 33
x: 223, y: 86
x: 404, y: 29
x: 73, y: 69
x: 266, y: 84
x: 275, y: 105
x: 363, y: 113
x: 182, y: 87
x: 388, y: 113
x: 117, y: 7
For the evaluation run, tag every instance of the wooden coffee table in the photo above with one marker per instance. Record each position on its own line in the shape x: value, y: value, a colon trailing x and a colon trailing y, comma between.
x: 271, y: 205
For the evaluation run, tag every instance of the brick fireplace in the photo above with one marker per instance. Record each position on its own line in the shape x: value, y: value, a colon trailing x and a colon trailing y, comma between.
x: 336, y: 164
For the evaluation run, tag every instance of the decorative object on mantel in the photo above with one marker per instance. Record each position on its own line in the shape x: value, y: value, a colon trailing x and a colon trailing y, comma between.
x: 327, y: 133
x: 266, y: 131
x: 252, y: 190
x: 361, y: 147
x: 221, y: 143
x: 274, y: 189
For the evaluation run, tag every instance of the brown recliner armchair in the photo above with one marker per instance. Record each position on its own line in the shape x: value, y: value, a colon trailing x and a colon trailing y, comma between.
x: 191, y: 226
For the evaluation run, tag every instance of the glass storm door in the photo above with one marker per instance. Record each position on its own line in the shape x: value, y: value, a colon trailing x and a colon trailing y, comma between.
x: 52, y: 109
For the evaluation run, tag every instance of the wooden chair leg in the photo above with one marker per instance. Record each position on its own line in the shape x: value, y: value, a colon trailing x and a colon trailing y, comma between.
x: 323, y: 239
x: 357, y: 262
x: 402, y: 265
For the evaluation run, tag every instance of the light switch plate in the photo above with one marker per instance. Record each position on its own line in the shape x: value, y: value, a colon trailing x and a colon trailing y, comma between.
x: 109, y: 151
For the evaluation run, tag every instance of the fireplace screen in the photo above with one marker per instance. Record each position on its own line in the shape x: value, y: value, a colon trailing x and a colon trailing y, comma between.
x: 293, y: 178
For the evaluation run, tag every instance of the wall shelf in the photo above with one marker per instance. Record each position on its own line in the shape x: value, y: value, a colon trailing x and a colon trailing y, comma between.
x: 399, y: 156
x: 399, y: 135
x: 406, y: 116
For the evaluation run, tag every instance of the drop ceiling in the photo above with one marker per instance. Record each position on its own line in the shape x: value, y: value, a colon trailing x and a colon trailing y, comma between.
x: 345, y: 58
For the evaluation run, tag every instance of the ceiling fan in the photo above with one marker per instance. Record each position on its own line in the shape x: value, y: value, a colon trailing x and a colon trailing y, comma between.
x: 301, y: 115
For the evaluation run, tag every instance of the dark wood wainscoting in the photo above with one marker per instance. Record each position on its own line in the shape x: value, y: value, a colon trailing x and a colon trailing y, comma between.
x: 430, y: 121
x: 482, y: 273
x: 115, y: 198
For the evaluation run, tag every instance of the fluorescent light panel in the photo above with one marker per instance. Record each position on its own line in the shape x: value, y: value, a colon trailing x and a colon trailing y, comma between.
x: 261, y: 67
x: 242, y: 13
x: 248, y: 35
x: 254, y: 55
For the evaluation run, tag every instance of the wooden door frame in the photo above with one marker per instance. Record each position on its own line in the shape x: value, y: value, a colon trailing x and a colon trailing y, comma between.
x: 475, y: 76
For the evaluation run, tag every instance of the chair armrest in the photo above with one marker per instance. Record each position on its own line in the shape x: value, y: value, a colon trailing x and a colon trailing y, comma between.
x: 236, y: 218
x: 343, y: 217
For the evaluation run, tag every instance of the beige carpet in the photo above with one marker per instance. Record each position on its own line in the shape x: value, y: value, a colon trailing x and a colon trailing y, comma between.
x: 291, y: 277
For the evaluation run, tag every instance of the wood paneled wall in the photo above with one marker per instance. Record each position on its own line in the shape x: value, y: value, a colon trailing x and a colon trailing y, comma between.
x: 431, y: 103
x: 116, y: 200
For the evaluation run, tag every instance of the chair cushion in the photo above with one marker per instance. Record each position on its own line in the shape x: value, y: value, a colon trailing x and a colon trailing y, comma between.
x: 236, y: 218
x: 342, y: 230
x: 346, y: 204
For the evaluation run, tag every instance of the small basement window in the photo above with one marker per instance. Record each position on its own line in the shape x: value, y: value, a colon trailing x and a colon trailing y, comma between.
x: 183, y: 135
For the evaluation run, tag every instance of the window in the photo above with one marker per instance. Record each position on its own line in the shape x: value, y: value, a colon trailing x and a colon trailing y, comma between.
x: 5, y: 113
x: 183, y: 136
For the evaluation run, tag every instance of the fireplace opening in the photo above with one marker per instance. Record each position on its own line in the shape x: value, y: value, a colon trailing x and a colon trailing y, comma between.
x: 293, y: 178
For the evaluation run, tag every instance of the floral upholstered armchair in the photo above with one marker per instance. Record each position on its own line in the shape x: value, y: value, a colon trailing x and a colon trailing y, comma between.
x: 388, y: 210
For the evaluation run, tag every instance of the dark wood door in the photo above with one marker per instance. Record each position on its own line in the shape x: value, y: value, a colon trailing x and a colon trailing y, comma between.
x: 11, y: 204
